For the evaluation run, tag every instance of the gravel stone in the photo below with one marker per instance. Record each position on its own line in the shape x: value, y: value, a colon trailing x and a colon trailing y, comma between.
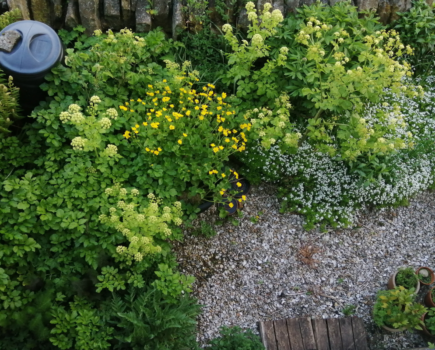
x: 253, y: 272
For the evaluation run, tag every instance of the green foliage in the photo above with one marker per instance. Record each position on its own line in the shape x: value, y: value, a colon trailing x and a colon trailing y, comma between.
x: 9, y: 107
x: 80, y: 328
x: 429, y: 320
x: 9, y: 17
x: 349, y: 310
x: 146, y: 320
x: 407, y: 278
x: 235, y: 338
x: 397, y: 308
x: 172, y: 284
x: 206, y: 230
x: 417, y: 29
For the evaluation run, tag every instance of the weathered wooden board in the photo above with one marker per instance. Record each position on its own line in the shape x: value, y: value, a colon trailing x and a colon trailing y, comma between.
x: 282, y: 338
x: 294, y: 332
x: 267, y: 333
x: 347, y: 333
x: 359, y: 334
x: 307, y: 334
x: 320, y: 331
x: 334, y: 334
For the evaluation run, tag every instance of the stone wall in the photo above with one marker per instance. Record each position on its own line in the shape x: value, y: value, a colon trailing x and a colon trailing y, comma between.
x: 144, y: 15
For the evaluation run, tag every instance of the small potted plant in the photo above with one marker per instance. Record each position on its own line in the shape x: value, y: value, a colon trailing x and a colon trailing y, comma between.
x: 396, y: 310
x: 429, y: 300
x: 405, y: 277
x: 425, y: 275
x: 429, y: 322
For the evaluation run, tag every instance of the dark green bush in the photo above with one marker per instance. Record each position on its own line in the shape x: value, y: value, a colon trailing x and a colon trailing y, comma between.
x: 235, y: 338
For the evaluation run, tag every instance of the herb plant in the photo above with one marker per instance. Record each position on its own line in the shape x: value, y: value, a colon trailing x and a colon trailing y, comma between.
x: 424, y: 276
x: 407, y: 278
x: 396, y: 308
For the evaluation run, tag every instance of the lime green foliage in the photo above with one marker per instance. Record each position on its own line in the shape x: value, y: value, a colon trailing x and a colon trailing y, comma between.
x: 407, y: 278
x: 396, y: 308
x: 417, y: 29
x: 260, y: 82
x: 172, y: 284
x: 9, y: 107
x: 144, y: 227
x: 235, y: 338
x: 9, y: 18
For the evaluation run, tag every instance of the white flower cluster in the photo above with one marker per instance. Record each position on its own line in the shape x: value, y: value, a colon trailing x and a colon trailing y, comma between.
x: 95, y: 100
x: 326, y: 191
x: 112, y: 113
x: 111, y: 150
x: 78, y: 143
x: 105, y: 123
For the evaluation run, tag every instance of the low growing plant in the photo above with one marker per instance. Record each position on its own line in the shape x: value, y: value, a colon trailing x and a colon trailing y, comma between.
x: 429, y: 321
x: 407, y: 278
x: 396, y: 308
x: 235, y: 338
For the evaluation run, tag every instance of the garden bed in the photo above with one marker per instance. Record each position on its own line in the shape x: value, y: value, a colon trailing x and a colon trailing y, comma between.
x: 253, y: 271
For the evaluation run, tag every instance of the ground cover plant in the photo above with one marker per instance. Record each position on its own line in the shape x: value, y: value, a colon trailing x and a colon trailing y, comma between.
x: 407, y: 278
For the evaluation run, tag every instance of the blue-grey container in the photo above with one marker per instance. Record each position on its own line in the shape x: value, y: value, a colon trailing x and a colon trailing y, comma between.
x: 34, y: 55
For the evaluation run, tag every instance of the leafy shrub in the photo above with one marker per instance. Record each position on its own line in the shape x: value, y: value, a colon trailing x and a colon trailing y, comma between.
x: 396, y: 308
x: 9, y: 17
x: 417, y: 29
x: 429, y: 321
x: 327, y: 190
x: 235, y: 338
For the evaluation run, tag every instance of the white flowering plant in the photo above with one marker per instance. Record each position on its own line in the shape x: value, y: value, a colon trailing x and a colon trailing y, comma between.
x: 329, y: 191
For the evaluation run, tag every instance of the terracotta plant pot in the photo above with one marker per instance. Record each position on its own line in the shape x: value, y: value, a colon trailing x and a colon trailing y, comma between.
x: 392, y: 283
x: 394, y: 330
x: 431, y: 275
x: 428, y: 299
x: 425, y: 330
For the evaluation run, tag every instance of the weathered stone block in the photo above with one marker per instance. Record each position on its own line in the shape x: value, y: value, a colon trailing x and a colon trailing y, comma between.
x: 128, y: 17
x: 162, y: 18
x: 89, y: 15
x: 177, y: 19
x: 279, y: 5
x: 41, y: 11
x: 242, y: 20
x: 364, y: 5
x: 291, y: 5
x: 112, y: 14
x: 72, y: 18
x: 22, y: 5
x: 384, y: 11
x: 143, y: 18
x: 8, y: 40
x: 260, y: 5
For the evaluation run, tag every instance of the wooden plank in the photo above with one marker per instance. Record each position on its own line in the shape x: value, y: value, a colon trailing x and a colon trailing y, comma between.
x: 281, y: 334
x: 268, y: 335
x: 294, y: 333
x: 320, y: 334
x: 347, y: 333
x: 359, y: 334
x: 334, y: 333
x: 307, y: 334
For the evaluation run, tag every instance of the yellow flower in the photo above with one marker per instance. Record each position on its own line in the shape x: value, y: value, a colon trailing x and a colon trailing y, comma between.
x: 131, y: 110
x: 155, y: 125
x: 227, y: 140
x: 139, y: 100
x: 196, y: 107
x: 221, y: 147
x: 147, y: 149
x: 219, y: 108
x: 166, y: 99
x: 231, y: 205
x: 171, y: 127
x: 222, y: 192
x: 236, y: 175
x: 196, y: 101
x: 164, y: 80
x: 136, y: 126
x: 224, y: 95
x: 150, y: 93
x: 244, y: 197
x: 204, y: 88
x: 172, y: 106
x: 212, y: 145
x: 239, y: 184
x: 127, y: 134
x: 234, y: 131
x: 234, y: 146
x: 220, y: 129
x: 150, y: 86
x: 185, y: 135
x: 180, y: 142
x: 156, y: 153
x: 223, y: 175
x: 159, y: 149
x: 216, y: 149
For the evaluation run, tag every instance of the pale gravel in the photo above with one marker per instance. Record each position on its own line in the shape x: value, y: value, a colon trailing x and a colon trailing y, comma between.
x: 251, y: 272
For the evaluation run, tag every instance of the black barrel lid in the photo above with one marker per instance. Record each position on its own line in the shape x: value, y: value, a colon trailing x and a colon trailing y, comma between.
x: 38, y: 50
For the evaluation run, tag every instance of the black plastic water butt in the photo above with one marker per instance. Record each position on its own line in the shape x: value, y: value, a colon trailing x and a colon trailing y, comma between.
x: 37, y: 51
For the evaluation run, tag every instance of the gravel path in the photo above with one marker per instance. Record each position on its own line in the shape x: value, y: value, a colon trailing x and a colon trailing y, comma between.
x: 254, y: 272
